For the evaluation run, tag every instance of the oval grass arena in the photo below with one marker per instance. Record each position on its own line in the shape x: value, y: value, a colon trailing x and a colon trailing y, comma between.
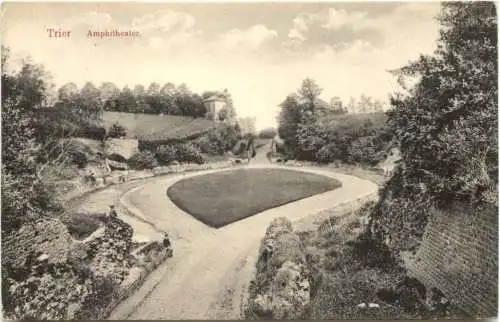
x: 220, y: 198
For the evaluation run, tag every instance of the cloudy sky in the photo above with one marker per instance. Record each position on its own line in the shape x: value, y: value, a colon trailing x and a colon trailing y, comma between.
x: 259, y: 52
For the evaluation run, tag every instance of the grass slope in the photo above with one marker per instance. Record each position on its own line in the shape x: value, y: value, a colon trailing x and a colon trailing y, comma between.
x: 155, y: 127
x: 228, y: 196
x: 378, y: 119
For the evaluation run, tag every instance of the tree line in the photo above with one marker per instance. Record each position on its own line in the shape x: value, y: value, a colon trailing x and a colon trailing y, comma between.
x: 168, y: 99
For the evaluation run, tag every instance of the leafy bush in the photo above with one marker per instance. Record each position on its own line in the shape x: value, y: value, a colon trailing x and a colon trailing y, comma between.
x: 92, y: 131
x: 166, y: 154
x: 219, y: 140
x: 117, y: 131
x: 189, y: 153
x: 329, y: 153
x: 143, y: 160
x: 365, y: 150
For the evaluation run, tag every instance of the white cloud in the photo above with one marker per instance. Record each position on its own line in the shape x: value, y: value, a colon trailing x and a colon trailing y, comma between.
x: 300, y: 25
x: 337, y: 19
x: 93, y: 18
x: 164, y: 21
x: 167, y: 29
x: 250, y: 38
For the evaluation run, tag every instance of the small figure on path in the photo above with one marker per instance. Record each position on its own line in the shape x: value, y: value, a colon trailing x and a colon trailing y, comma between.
x: 112, y: 212
x: 166, y: 241
x: 168, y: 245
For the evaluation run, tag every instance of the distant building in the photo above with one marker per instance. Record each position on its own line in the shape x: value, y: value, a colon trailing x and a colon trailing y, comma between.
x: 247, y: 124
x: 214, y: 104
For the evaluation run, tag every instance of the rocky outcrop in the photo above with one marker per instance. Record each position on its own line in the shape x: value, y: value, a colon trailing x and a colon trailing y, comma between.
x: 59, y: 278
x: 281, y: 289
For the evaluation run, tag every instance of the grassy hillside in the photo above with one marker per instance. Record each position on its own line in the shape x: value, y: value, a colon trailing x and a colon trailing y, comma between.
x: 356, y: 121
x: 155, y: 127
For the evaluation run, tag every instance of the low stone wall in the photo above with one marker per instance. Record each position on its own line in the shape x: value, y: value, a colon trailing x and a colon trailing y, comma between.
x: 80, y: 187
x: 135, y: 279
x: 459, y: 256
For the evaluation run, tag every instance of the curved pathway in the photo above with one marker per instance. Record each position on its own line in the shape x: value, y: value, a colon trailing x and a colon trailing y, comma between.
x: 209, y: 273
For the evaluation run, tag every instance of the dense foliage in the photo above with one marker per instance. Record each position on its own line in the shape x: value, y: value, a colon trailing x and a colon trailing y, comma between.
x: 25, y: 196
x: 117, y: 131
x: 156, y: 99
x: 315, y: 131
x: 143, y: 160
x: 185, y: 153
x: 219, y: 140
x: 446, y: 125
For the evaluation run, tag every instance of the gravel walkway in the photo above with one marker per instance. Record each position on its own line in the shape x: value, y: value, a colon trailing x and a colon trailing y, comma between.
x: 209, y: 273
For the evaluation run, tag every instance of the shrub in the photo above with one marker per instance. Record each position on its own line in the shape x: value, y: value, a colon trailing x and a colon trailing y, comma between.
x: 189, y: 153
x: 365, y: 150
x: 143, y: 160
x: 92, y: 131
x: 219, y: 140
x: 117, y: 131
x: 166, y: 154
x: 329, y: 153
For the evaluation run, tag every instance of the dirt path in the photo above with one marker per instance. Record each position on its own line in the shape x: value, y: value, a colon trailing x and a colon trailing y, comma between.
x: 211, y: 268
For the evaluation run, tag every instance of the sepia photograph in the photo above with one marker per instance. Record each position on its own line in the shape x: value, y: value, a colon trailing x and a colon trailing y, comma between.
x: 249, y: 161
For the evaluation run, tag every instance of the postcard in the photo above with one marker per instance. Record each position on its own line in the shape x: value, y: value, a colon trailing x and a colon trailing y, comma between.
x: 249, y: 161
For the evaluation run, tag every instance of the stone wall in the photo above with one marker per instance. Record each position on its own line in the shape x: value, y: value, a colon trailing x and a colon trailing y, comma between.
x: 78, y: 188
x: 459, y: 256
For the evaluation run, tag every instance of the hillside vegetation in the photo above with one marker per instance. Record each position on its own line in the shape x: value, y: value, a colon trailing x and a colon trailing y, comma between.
x: 446, y: 128
x: 151, y: 127
x: 314, y: 132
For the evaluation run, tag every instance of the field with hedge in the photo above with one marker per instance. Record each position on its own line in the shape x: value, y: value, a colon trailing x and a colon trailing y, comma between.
x: 150, y: 127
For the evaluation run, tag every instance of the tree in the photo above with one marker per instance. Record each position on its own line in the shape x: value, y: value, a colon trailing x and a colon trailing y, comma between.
x: 154, y: 98
x: 126, y: 100
x: 309, y: 93
x: 24, y: 195
x: 289, y: 118
x: 168, y: 93
x: 67, y: 92
x: 109, y: 94
x: 117, y: 131
x: 139, y: 91
x: 153, y: 89
x: 168, y: 90
x: 92, y: 106
x: 365, y: 104
x: 446, y: 123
